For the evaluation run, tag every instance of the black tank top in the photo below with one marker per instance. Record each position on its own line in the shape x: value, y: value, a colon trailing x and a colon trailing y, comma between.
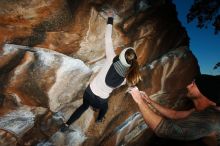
x: 113, y: 78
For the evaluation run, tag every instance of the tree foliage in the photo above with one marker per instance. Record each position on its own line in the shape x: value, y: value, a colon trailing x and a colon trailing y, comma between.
x: 206, y: 12
x: 217, y: 65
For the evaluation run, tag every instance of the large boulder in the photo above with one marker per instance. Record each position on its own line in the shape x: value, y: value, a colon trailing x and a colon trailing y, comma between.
x: 51, y: 49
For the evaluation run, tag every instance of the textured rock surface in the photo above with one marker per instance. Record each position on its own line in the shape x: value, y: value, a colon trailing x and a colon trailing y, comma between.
x: 17, y: 122
x: 50, y: 51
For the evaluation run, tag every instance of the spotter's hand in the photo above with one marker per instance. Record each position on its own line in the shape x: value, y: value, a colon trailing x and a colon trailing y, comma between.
x: 136, y: 94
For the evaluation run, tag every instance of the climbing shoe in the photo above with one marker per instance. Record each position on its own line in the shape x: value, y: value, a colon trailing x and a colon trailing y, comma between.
x: 64, y: 127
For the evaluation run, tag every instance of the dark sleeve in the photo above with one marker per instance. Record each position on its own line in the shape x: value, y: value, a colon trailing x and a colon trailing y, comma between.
x: 110, y: 20
x: 168, y: 129
x: 191, y: 128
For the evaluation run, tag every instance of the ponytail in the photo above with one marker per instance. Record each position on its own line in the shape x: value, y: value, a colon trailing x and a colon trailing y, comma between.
x: 133, y: 75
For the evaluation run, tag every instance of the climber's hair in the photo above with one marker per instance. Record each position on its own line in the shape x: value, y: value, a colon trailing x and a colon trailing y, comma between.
x: 133, y: 75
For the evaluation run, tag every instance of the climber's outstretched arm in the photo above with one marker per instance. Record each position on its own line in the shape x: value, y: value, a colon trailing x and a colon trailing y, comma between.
x: 109, y: 49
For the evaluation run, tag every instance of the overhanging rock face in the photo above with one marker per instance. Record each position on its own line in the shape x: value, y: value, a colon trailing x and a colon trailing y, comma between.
x: 51, y: 49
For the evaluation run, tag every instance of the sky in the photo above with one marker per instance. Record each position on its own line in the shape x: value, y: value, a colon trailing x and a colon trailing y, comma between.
x: 204, y: 44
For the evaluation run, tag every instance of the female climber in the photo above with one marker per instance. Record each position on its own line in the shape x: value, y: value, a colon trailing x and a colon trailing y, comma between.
x: 117, y: 71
